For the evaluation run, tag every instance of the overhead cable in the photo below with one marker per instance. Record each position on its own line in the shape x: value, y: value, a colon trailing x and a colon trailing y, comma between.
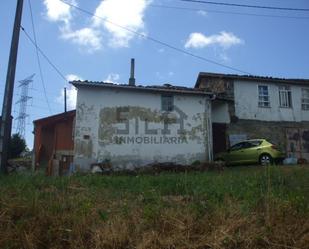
x: 44, y: 55
x: 38, y: 57
x: 246, y: 5
x: 156, y: 40
x: 226, y: 12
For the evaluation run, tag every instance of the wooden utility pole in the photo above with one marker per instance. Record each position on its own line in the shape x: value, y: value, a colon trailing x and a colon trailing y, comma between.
x: 6, y: 118
x: 65, y: 99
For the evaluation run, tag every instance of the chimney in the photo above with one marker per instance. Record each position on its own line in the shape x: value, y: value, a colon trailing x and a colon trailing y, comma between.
x: 132, y: 79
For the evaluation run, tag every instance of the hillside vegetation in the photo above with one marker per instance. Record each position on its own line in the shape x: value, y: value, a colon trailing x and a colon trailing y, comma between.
x: 242, y: 207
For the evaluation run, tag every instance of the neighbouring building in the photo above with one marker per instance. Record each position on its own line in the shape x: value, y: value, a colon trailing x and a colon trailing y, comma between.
x: 259, y: 107
x: 134, y: 126
x: 53, y: 142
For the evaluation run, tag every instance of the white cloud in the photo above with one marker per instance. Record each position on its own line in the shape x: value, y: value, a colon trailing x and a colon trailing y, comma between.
x: 223, y: 56
x: 159, y: 76
x: 58, y: 11
x: 223, y: 39
x: 88, y: 38
x: 128, y: 14
x: 202, y: 12
x: 72, y: 77
x: 164, y: 76
x: 112, y: 78
x: 71, y: 93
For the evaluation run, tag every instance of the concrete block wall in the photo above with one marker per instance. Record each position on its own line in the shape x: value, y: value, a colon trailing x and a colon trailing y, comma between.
x: 274, y: 132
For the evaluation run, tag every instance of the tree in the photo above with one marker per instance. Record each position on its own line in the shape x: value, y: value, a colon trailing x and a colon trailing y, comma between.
x: 17, y: 146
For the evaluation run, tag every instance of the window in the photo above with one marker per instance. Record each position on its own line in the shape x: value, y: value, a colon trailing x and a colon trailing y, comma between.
x: 252, y: 144
x: 237, y: 146
x: 167, y: 103
x: 263, y: 96
x: 285, y: 96
x: 305, y: 99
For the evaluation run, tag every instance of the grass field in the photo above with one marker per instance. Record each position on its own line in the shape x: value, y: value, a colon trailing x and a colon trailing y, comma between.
x: 242, y: 207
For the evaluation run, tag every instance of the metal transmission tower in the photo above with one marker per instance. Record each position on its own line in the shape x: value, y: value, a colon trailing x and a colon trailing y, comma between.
x: 24, y: 97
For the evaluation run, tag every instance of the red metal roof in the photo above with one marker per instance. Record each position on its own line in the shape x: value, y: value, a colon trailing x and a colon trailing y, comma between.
x: 55, y: 118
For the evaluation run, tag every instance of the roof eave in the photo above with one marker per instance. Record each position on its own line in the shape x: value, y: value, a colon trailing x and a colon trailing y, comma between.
x: 137, y: 88
x: 251, y: 78
x: 55, y: 117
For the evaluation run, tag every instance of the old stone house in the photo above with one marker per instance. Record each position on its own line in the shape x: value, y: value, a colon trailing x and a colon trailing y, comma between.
x: 133, y: 126
x: 259, y: 107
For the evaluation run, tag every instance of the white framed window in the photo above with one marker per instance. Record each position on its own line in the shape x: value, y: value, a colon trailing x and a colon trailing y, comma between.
x: 263, y: 96
x: 285, y: 96
x: 305, y: 98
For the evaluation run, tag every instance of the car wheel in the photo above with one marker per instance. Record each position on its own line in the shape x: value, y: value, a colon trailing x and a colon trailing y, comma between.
x: 265, y: 159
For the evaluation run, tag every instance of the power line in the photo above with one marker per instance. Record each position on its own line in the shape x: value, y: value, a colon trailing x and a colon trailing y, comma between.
x: 246, y: 5
x: 43, y: 54
x: 156, y: 40
x: 38, y: 57
x: 38, y: 107
x: 51, y: 92
x: 225, y: 12
x: 34, y: 89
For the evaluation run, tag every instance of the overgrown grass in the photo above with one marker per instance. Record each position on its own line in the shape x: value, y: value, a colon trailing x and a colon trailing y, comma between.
x: 243, y: 207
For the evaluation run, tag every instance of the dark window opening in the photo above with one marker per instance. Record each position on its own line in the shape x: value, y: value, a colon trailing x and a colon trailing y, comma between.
x: 167, y: 103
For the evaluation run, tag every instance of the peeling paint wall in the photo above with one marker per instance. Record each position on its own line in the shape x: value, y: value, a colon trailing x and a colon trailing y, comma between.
x: 129, y: 129
x: 246, y: 103
x: 220, y: 112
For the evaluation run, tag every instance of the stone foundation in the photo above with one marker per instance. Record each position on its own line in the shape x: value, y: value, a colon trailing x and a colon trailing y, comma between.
x: 274, y: 132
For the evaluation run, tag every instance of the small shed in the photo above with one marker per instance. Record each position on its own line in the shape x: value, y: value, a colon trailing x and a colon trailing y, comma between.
x: 54, y: 142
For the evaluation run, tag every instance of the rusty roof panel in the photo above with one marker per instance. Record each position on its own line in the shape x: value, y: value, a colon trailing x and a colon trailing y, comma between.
x: 55, y: 118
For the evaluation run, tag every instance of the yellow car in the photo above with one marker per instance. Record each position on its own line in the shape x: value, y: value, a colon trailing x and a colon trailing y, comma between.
x: 251, y: 152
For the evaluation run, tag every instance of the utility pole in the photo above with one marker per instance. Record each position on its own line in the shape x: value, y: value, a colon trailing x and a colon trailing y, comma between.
x: 6, y: 118
x: 65, y: 99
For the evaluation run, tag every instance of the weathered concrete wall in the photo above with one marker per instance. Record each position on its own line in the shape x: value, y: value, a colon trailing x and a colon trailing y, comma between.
x: 220, y: 112
x: 275, y: 132
x: 246, y: 103
x: 129, y: 129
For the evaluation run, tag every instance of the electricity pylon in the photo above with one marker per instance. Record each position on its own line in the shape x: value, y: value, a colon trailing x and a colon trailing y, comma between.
x: 24, y: 97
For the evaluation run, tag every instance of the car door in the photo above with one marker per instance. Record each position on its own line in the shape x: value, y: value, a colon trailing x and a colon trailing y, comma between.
x: 249, y: 152
x: 234, y: 153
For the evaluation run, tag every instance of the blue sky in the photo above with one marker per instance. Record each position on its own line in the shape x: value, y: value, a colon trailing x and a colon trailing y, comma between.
x: 89, y: 48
